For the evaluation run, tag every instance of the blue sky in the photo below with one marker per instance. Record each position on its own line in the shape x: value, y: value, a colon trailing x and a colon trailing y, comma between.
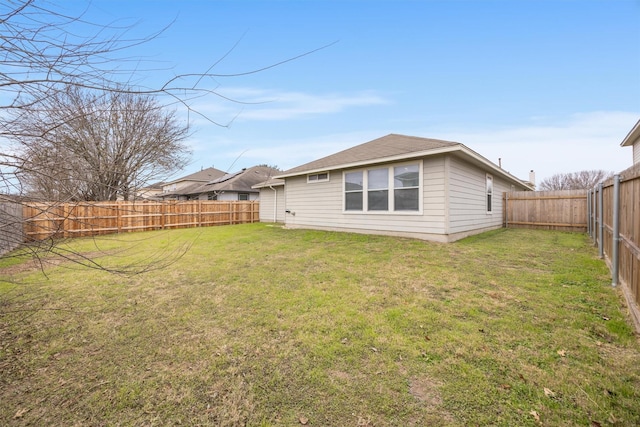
x: 552, y: 86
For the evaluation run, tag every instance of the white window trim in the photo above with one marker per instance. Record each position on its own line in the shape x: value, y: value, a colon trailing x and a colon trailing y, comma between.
x: 365, y: 208
x: 315, y: 181
x: 488, y: 178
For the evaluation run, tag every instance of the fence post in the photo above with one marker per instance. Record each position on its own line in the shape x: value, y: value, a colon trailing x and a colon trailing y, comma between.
x: 615, y: 261
x: 589, y: 213
x: 594, y: 219
x: 163, y: 212
x: 600, y: 222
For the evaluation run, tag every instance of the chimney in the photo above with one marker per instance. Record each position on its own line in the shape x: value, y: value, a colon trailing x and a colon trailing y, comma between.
x: 532, y: 177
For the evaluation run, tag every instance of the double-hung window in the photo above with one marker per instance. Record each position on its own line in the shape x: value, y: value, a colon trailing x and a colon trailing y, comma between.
x: 383, y: 189
x: 353, y: 187
x: 378, y: 189
x: 406, y: 188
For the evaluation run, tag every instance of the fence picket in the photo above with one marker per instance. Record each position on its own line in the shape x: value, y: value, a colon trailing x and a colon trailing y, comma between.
x: 45, y: 220
x: 550, y: 210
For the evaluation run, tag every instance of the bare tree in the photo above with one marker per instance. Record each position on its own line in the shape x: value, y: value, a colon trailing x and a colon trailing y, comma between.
x: 88, y: 145
x: 45, y: 54
x: 575, y: 181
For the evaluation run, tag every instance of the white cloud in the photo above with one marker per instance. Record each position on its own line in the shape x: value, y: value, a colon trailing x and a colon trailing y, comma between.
x: 582, y: 141
x: 243, y: 104
x: 290, y: 153
x: 559, y: 145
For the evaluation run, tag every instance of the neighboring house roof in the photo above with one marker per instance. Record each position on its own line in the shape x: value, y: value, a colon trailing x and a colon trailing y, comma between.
x: 188, y: 183
x: 155, y: 186
x: 394, y: 147
x: 241, y: 181
x: 204, y: 175
x: 632, y: 137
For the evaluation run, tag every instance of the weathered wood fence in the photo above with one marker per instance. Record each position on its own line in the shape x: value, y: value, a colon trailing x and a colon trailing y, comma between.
x: 564, y: 210
x: 47, y: 220
x: 614, y: 225
x: 10, y: 226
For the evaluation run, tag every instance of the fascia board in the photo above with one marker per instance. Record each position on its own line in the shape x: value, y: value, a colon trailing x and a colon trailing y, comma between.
x: 632, y: 136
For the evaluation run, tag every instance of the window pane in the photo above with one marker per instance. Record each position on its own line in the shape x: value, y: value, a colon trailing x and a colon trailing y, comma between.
x: 378, y: 179
x: 406, y: 199
x: 353, y: 201
x: 378, y: 200
x: 353, y: 181
x: 489, y: 193
x: 406, y: 176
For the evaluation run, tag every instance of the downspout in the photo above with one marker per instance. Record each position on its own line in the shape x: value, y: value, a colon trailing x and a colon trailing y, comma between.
x: 275, y: 204
x: 615, y: 262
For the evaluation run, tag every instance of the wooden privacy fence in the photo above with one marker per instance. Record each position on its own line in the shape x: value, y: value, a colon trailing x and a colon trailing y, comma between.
x: 614, y: 225
x: 564, y: 210
x: 47, y: 220
x: 10, y: 226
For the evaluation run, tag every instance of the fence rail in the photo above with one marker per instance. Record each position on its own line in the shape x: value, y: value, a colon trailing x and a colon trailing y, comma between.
x: 614, y: 225
x: 564, y: 210
x: 53, y: 220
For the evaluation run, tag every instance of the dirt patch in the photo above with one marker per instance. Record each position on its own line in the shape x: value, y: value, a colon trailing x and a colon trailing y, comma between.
x: 42, y: 263
x: 31, y: 265
x: 425, y: 390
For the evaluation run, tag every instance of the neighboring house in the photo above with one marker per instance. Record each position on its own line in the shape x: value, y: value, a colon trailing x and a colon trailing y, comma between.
x: 633, y: 139
x: 271, y: 200
x: 230, y: 186
x: 150, y: 192
x: 175, y: 190
x: 398, y: 185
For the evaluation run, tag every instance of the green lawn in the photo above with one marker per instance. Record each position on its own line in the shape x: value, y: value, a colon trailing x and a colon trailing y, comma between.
x: 260, y: 326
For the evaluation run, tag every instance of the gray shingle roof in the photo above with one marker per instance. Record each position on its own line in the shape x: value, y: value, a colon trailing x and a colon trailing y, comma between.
x: 241, y: 181
x: 392, y: 145
x: 204, y: 175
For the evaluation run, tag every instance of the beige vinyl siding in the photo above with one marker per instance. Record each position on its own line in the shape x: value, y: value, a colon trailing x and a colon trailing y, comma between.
x: 272, y: 209
x: 467, y: 198
x: 320, y: 205
x: 636, y: 152
x: 313, y: 204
